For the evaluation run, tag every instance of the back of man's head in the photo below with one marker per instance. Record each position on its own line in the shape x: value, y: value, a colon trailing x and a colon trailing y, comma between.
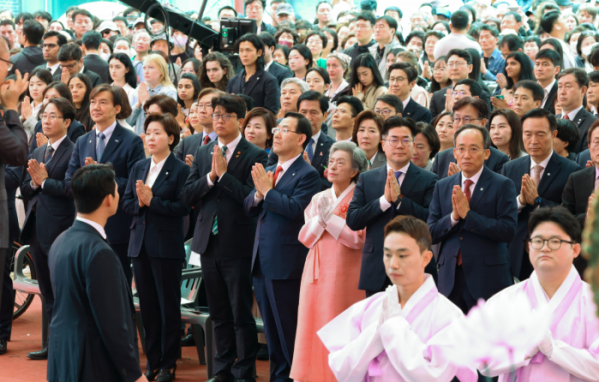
x: 69, y: 52
x: 33, y: 31
x: 91, y: 185
x: 91, y: 40
x: 459, y: 20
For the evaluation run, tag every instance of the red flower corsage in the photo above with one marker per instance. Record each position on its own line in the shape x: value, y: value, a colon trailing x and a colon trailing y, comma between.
x: 343, y: 210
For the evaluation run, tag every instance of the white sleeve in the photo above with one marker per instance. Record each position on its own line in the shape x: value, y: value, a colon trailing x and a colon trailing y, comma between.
x: 384, y: 204
x: 581, y: 363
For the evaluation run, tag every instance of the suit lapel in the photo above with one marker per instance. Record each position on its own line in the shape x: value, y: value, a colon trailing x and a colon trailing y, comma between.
x: 411, y: 178
x: 239, y: 154
x: 145, y: 170
x: 553, y: 168
x: 408, y: 111
x: 90, y: 143
x: 113, y: 143
x: 484, y: 182
x: 252, y: 81
x: 57, y: 155
x: 581, y: 116
x: 290, y: 173
x: 164, y: 172
x: 319, y: 152
x: 587, y: 183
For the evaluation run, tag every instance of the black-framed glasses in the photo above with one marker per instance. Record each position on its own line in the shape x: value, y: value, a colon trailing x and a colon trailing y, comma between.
x: 49, y: 46
x: 466, y: 120
x: 8, y: 64
x: 225, y: 117
x: 553, y: 243
x: 395, y: 142
x: 384, y: 112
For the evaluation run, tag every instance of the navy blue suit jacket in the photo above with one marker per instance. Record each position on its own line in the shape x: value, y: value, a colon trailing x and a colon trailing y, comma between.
x: 53, y: 206
x: 188, y: 146
x: 280, y: 72
x: 280, y: 219
x: 75, y: 131
x: 583, y: 157
x: 263, y: 87
x: 417, y: 112
x: 550, y: 190
x: 441, y: 164
x: 583, y: 120
x: 123, y: 150
x: 482, y: 237
x: 364, y: 212
x: 159, y: 226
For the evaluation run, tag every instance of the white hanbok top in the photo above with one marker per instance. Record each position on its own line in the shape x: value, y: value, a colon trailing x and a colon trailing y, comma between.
x: 572, y: 347
x: 405, y: 347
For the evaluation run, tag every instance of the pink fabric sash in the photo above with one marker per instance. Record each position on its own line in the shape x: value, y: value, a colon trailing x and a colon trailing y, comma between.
x: 558, y: 314
x: 374, y: 369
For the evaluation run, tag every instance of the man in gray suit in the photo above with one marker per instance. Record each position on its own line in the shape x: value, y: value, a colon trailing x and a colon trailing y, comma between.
x: 13, y: 149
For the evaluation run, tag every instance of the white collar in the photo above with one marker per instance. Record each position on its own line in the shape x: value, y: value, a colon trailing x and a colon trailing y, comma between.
x: 543, y: 163
x: 474, y: 177
x: 98, y: 227
x: 288, y: 164
x: 316, y: 136
x: 404, y: 169
x: 232, y: 145
x: 549, y: 87
x: 57, y: 143
x: 543, y: 299
x: 405, y: 103
x: 82, y: 68
x: 158, y: 165
x: 573, y: 113
x: 53, y: 67
x: 428, y: 285
x: 107, y: 132
x: 268, y: 65
x: 336, y: 199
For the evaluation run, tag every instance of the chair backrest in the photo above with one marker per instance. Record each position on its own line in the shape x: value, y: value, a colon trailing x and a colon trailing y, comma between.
x: 19, y: 259
x: 191, y: 280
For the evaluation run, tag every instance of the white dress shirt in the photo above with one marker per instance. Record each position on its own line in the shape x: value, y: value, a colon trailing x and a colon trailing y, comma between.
x: 405, y: 103
x: 268, y: 65
x: 384, y: 204
x: 596, y: 177
x: 53, y: 68
x: 547, y: 91
x: 315, y: 138
x: 284, y: 167
x: 98, y: 227
x: 107, y: 134
x: 532, y: 174
x: 155, y: 169
x: 572, y: 114
x: 474, y: 180
x: 55, y: 147
x: 228, y: 155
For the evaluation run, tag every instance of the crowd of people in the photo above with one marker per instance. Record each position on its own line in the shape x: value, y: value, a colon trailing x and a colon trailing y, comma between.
x: 365, y: 185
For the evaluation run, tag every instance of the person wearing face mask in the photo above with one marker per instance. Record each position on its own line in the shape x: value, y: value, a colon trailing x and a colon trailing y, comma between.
x: 178, y: 48
x: 583, y: 49
x: 92, y: 59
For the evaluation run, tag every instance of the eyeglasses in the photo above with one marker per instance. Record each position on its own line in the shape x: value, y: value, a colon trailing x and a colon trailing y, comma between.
x: 394, y: 142
x: 455, y: 64
x: 439, y: 69
x: 225, y: 117
x: 202, y: 106
x: 466, y: 120
x: 284, y: 130
x: 396, y: 79
x: 384, y: 112
x: 462, y: 93
x: 553, y: 243
x: 49, y: 46
x: 472, y: 150
x: 8, y: 64
x: 51, y: 117
x: 70, y: 66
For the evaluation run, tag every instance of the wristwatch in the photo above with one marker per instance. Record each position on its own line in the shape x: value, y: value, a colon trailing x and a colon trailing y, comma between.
x: 538, y: 200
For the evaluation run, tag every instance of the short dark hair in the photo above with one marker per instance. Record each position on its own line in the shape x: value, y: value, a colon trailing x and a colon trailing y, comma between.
x: 120, y: 18
x: 392, y: 100
x: 322, y: 2
x: 548, y: 20
x: 397, y: 121
x: 429, y: 132
x: 477, y: 103
x: 517, y: 17
x: 33, y: 31
x: 568, y: 132
x: 64, y: 106
x: 367, y: 16
x: 582, y: 79
x: 304, y: 127
x: 81, y: 11
x: 232, y: 104
x: 356, y: 104
x: 459, y: 20
x: 227, y: 7
x: 248, y: 2
x: 91, y: 185
x: 514, y: 42
x: 117, y: 96
x: 247, y: 100
x: 322, y: 36
x: 268, y: 39
x: 490, y: 28
x: 5, y: 22
x: 305, y: 52
x: 433, y: 33
x: 167, y: 104
x: 541, y: 113
x: 594, y: 76
x: 44, y: 15
x: 391, y: 22
x: 475, y: 89
x: 69, y: 52
x: 413, y: 227
x: 549, y: 54
x: 538, y: 93
x: 61, y: 88
x: 395, y: 9
x: 558, y: 215
x: 534, y: 39
x: 60, y: 38
x: 91, y: 40
x: 312, y: 95
x: 482, y: 129
x: 23, y: 16
x: 410, y: 71
x: 462, y: 53
x: 170, y: 125
x: 591, y: 129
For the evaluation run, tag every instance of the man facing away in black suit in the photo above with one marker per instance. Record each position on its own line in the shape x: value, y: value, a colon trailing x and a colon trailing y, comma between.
x: 50, y: 210
x: 93, y: 336
x: 402, y: 78
x: 399, y: 188
x: 92, y: 60
x: 571, y: 87
x: 218, y: 184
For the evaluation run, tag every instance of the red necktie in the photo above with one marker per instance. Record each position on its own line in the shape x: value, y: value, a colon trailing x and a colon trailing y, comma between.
x: 274, y: 181
x: 468, y: 193
x: 566, y: 117
x: 206, y: 139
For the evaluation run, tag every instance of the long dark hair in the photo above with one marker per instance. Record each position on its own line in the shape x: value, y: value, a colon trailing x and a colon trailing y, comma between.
x: 42, y: 74
x: 365, y: 60
x: 526, y: 70
x: 62, y: 89
x: 516, y: 144
x: 435, y: 86
x: 197, y: 88
x: 82, y: 114
x: 224, y: 63
x: 131, y: 75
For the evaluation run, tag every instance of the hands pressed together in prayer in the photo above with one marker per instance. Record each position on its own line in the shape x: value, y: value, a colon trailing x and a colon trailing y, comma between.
x: 37, y: 172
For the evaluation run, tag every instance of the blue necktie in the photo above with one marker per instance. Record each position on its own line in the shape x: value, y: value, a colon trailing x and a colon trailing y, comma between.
x: 215, y: 224
x: 49, y: 153
x: 101, y: 146
x: 397, y: 175
x: 309, y: 149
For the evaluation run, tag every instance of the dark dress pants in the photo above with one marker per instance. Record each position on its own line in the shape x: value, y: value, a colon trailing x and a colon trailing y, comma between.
x: 278, y: 301
x: 122, y: 251
x: 158, y: 283
x: 460, y: 295
x: 229, y: 292
x: 42, y: 271
x: 7, y: 296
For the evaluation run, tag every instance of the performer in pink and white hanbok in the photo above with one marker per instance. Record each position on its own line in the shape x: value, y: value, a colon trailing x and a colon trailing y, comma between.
x: 570, y: 350
x: 396, y: 335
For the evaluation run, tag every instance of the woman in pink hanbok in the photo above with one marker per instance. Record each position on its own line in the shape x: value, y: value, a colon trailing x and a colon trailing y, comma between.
x: 332, y: 269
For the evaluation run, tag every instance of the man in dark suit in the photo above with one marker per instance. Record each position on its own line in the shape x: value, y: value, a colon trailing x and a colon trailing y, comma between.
x: 109, y: 143
x: 402, y: 78
x: 473, y: 216
x: 31, y: 55
x: 93, y: 335
x: 71, y: 62
x: 50, y: 210
x: 92, y: 60
x: 76, y: 130
x: 314, y: 106
x: 271, y: 66
x: 399, y: 188
x: 467, y: 110
x: 459, y: 66
x: 52, y: 41
x: 539, y: 180
x: 547, y: 66
x: 584, y: 157
x: 571, y: 87
x: 13, y: 152
x: 253, y: 81
x: 279, y: 202
x: 219, y: 182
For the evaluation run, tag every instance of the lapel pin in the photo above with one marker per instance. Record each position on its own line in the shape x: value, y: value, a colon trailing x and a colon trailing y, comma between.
x: 481, y: 188
x: 293, y: 174
x: 116, y: 140
x: 239, y: 152
x: 236, y: 156
x: 257, y: 78
x: 548, y: 174
x: 90, y: 141
x: 321, y: 153
x: 322, y: 144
